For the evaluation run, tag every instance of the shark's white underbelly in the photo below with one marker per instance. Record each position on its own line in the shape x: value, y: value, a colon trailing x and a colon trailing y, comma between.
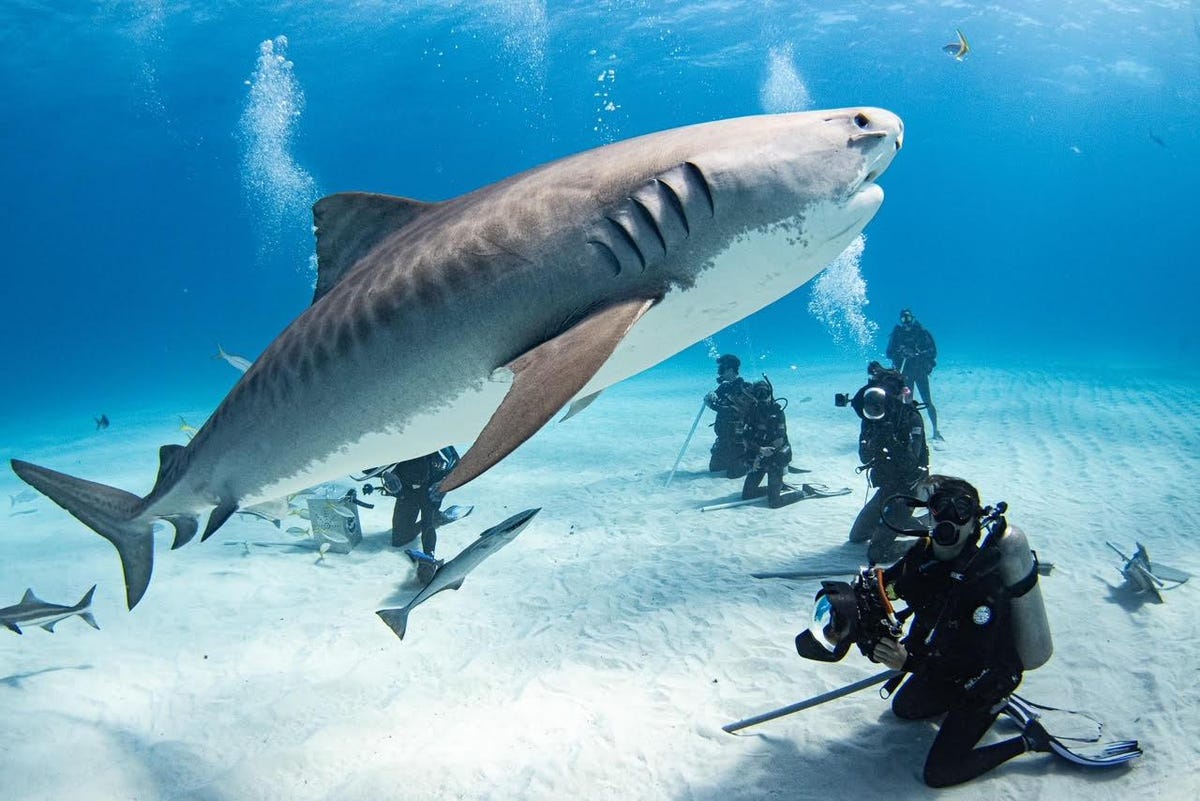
x: 754, y: 271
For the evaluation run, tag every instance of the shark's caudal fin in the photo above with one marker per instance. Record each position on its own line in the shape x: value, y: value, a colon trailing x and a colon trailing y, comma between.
x: 85, y: 608
x: 397, y: 619
x: 112, y: 513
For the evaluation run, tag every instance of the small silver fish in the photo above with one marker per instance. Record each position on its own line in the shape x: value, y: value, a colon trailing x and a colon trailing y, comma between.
x: 240, y: 363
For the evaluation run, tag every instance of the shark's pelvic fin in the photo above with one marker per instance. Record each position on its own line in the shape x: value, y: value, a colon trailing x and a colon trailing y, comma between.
x: 223, y: 512
x: 112, y: 513
x: 350, y: 224
x: 544, y: 379
x: 186, y: 527
x: 579, y: 405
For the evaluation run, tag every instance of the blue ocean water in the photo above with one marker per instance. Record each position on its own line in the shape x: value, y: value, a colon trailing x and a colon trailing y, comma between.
x: 159, y: 161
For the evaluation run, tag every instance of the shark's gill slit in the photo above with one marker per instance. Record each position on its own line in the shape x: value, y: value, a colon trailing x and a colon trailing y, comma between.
x: 693, y: 173
x: 629, y: 239
x: 648, y: 216
x: 675, y: 203
x: 607, y: 252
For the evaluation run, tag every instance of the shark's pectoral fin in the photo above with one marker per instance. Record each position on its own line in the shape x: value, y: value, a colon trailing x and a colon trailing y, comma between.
x: 544, y: 379
x: 12, y: 626
x: 579, y: 405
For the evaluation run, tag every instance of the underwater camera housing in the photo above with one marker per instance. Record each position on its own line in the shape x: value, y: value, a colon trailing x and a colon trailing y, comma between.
x: 858, y: 612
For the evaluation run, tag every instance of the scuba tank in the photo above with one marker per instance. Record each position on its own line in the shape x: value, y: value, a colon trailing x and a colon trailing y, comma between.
x: 1018, y: 570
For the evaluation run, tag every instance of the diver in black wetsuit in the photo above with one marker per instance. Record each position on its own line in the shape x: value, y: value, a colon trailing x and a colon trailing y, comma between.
x: 914, y: 353
x: 727, y: 401
x: 892, y: 447
x: 960, y: 651
x: 418, y: 501
x: 767, y: 450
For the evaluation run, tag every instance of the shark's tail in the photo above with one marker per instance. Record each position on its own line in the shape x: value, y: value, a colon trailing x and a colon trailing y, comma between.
x: 84, y: 608
x: 397, y: 619
x: 112, y: 513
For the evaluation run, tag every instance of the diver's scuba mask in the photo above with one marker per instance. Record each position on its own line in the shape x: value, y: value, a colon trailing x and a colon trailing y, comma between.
x: 950, y: 512
x: 947, y: 522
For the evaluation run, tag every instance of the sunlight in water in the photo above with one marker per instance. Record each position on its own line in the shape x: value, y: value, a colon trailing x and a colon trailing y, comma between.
x: 839, y: 295
x: 279, y: 188
x: 783, y: 89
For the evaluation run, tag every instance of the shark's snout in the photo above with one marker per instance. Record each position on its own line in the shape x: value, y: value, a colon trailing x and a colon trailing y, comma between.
x: 880, y: 134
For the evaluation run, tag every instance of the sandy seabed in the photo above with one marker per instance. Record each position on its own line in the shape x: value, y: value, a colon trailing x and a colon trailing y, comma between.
x: 599, y: 654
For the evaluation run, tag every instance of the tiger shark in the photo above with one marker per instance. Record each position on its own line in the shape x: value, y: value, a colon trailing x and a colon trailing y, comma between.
x: 479, y: 317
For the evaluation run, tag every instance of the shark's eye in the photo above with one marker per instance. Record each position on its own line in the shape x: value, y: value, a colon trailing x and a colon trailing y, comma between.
x: 861, y: 120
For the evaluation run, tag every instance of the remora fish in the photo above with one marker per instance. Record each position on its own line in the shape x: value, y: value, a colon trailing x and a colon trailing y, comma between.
x: 477, y: 318
x: 36, y: 612
x: 450, y: 576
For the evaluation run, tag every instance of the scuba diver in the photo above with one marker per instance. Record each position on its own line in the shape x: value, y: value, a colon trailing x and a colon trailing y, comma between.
x: 766, y: 447
x: 914, y: 354
x: 892, y: 448
x: 414, y: 483
x: 727, y: 401
x: 978, y: 622
x: 968, y: 645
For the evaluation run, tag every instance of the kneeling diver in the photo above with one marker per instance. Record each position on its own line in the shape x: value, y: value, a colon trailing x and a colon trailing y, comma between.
x: 978, y: 622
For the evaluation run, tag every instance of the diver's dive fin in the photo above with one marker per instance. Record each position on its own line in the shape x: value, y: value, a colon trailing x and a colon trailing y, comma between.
x: 544, y: 379
x: 112, y: 513
x: 1089, y: 755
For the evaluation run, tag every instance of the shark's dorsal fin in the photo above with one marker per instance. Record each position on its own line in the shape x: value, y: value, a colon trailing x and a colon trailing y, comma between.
x: 349, y: 224
x: 30, y: 598
x: 544, y: 379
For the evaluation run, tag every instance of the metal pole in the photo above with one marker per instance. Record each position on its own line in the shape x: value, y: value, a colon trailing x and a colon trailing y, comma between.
x: 878, y: 678
x: 682, y: 450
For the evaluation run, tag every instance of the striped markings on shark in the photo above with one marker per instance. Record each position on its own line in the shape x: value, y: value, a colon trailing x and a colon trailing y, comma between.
x: 477, y: 318
x: 33, y: 611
